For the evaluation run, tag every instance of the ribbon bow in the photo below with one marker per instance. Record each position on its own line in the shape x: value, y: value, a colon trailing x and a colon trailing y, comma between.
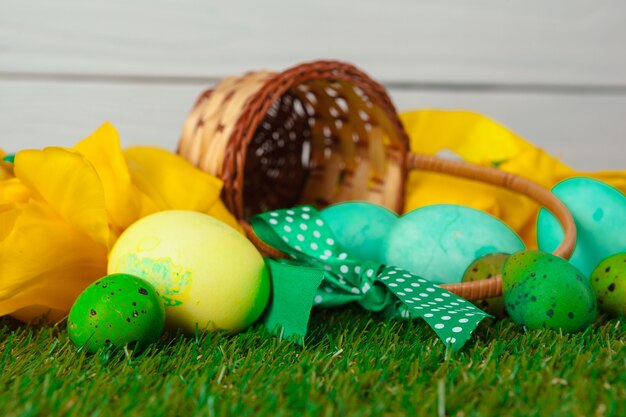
x: 323, y: 274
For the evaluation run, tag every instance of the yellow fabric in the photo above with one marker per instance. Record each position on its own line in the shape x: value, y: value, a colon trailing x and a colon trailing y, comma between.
x: 64, y: 209
x: 480, y: 140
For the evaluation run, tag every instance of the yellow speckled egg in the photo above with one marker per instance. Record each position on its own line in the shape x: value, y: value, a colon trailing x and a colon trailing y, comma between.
x: 209, y: 275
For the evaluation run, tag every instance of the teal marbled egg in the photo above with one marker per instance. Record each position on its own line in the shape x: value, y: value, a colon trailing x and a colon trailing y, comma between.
x: 599, y: 211
x: 116, y: 310
x: 608, y: 281
x: 359, y: 227
x: 543, y: 290
x: 488, y: 267
x: 438, y: 242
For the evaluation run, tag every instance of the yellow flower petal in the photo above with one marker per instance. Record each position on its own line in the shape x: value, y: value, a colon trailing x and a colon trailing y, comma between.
x: 220, y: 212
x: 37, y: 314
x: 8, y: 215
x: 46, y: 262
x: 14, y: 192
x: 102, y: 150
x: 172, y: 183
x: 13, y: 195
x: 69, y: 184
x: 6, y: 168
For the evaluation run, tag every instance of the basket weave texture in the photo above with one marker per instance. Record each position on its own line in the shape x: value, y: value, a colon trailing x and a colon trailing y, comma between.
x: 321, y: 133
x: 318, y: 133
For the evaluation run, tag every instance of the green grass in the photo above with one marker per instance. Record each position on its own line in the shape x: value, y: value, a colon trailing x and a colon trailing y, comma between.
x: 353, y: 364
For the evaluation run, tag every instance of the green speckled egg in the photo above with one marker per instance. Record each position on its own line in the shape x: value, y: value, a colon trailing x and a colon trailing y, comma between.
x: 116, y: 310
x: 543, y: 290
x: 487, y: 267
x: 608, y: 281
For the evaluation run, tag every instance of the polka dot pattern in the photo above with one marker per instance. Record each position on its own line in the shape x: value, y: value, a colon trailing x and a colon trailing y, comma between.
x: 451, y: 317
x: 301, y: 233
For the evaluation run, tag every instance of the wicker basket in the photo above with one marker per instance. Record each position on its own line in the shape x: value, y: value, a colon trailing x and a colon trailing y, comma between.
x: 321, y: 133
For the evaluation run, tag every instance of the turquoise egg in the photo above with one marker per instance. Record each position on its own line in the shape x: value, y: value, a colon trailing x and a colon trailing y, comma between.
x: 599, y: 211
x: 543, y: 290
x: 359, y: 227
x: 439, y: 242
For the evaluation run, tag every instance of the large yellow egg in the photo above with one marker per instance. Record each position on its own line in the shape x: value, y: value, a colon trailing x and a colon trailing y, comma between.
x: 209, y: 275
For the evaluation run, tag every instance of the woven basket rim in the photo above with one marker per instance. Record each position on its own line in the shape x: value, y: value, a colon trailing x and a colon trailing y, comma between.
x: 257, y: 106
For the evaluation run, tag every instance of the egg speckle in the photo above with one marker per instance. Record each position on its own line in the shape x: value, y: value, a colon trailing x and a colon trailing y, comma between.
x: 543, y: 290
x: 488, y: 267
x: 608, y: 281
x: 116, y: 310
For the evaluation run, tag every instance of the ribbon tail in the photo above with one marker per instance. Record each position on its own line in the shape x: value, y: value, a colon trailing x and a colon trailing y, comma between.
x: 451, y: 317
x: 456, y: 337
x: 293, y: 291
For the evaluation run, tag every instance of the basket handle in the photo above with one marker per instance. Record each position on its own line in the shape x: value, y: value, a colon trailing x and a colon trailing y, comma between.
x: 486, y: 288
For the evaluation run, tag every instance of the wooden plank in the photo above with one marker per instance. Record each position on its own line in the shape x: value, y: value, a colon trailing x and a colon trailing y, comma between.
x: 588, y: 132
x: 571, y: 42
x: 37, y: 114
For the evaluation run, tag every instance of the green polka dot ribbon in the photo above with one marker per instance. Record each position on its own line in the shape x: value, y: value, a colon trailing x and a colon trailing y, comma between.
x: 321, y: 273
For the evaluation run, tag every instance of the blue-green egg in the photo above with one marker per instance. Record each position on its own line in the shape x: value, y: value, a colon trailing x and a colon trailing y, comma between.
x: 359, y: 227
x: 608, y: 281
x: 599, y: 211
x: 438, y: 242
x: 488, y: 267
x: 543, y: 290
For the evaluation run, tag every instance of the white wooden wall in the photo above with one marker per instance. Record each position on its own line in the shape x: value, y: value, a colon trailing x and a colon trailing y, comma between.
x: 554, y: 71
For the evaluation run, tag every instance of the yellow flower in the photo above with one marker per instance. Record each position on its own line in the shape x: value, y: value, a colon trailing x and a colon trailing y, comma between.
x: 65, y: 208
x: 480, y: 140
x: 6, y: 168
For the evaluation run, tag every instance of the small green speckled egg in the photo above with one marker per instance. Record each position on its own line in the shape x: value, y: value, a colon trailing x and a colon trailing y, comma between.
x: 487, y: 267
x: 116, y: 310
x: 543, y: 290
x: 608, y: 281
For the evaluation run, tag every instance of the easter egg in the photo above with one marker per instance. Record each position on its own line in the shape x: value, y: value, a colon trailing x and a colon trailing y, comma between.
x: 599, y: 211
x: 359, y: 227
x: 488, y: 267
x: 608, y: 281
x: 116, y: 310
x: 438, y: 242
x: 209, y: 275
x: 543, y: 290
